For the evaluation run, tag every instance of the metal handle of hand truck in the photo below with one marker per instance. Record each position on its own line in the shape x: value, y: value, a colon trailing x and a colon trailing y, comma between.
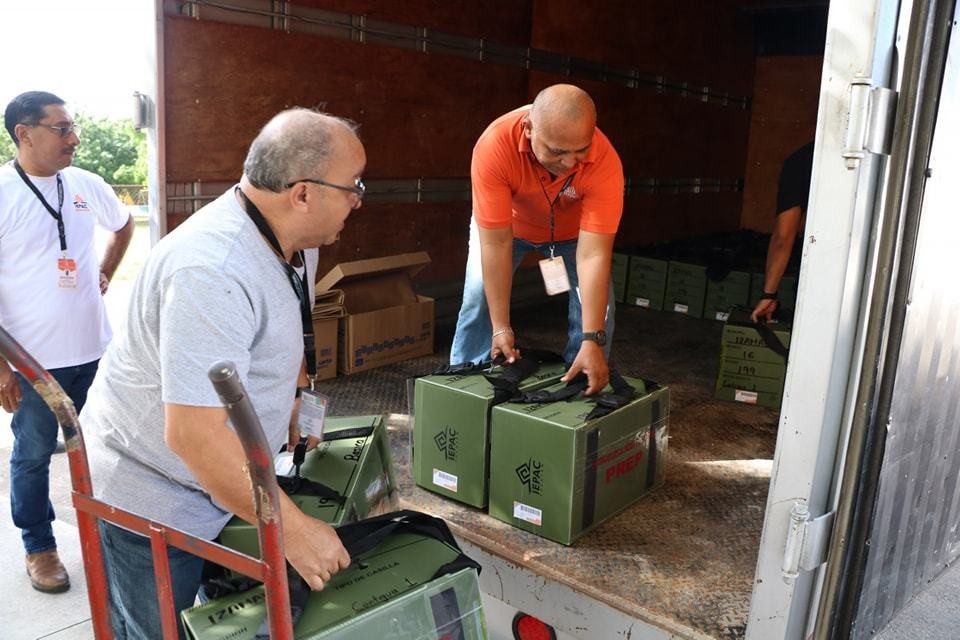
x: 266, y: 495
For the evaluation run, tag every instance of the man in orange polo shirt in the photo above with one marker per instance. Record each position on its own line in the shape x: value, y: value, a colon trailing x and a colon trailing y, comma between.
x: 544, y: 179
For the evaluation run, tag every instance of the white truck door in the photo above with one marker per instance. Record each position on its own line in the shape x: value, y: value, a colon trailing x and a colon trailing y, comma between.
x: 824, y: 349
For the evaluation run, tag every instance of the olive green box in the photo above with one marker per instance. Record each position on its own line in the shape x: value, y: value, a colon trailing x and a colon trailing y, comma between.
x: 388, y: 593
x: 358, y: 467
x: 557, y: 475
x: 749, y: 370
x: 733, y: 290
x: 450, y: 432
x: 619, y: 263
x: 686, y: 288
x: 647, y: 282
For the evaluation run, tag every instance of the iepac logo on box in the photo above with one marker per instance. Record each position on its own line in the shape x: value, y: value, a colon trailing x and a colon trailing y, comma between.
x: 446, y: 442
x: 531, y: 475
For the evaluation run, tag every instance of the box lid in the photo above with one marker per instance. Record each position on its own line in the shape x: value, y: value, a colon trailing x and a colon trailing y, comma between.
x: 409, y: 263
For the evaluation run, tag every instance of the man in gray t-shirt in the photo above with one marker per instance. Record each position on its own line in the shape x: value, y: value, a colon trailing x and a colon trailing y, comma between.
x: 218, y: 288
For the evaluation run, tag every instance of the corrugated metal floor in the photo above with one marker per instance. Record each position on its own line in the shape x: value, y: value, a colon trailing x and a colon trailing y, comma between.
x: 687, y: 552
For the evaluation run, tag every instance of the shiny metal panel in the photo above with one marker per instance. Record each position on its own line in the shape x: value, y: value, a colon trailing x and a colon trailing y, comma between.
x: 915, y: 528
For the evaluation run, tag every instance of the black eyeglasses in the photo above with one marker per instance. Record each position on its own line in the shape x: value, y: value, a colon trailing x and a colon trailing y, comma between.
x: 63, y: 131
x: 359, y: 189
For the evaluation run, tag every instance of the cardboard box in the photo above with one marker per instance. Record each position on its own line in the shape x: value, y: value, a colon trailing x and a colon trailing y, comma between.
x: 327, y: 311
x: 733, y: 290
x: 686, y: 288
x: 750, y: 371
x: 647, y: 282
x: 450, y: 432
x: 388, y: 593
x: 326, y: 337
x: 386, y: 320
x: 359, y: 468
x: 556, y: 475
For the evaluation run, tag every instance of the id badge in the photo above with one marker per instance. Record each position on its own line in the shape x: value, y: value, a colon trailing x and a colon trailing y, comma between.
x: 555, y: 278
x: 66, y: 273
x: 313, y: 410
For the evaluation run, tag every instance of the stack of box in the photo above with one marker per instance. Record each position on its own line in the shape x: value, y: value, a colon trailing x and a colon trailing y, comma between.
x: 733, y: 290
x: 646, y: 282
x: 358, y: 467
x: 686, y: 288
x: 386, y: 320
x: 450, y: 436
x: 556, y: 474
x: 750, y: 370
x: 619, y: 264
x: 388, y: 592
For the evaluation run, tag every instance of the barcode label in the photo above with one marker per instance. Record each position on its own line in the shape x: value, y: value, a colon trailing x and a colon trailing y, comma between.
x: 445, y: 480
x: 750, y: 397
x: 680, y: 308
x: 527, y: 513
x: 642, y: 302
x: 723, y: 315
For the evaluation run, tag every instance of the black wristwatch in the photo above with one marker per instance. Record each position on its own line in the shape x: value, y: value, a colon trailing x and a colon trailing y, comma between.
x: 600, y: 337
x: 768, y: 296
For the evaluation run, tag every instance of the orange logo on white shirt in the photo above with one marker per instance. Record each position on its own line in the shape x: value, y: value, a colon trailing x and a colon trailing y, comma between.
x: 80, y: 205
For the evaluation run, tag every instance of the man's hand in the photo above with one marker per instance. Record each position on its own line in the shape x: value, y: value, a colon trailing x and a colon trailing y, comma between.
x: 9, y: 388
x: 503, y: 343
x: 591, y: 361
x: 764, y: 311
x: 293, y: 430
x: 104, y: 283
x: 314, y: 549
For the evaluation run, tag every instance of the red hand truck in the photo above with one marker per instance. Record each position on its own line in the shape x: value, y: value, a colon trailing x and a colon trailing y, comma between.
x: 271, y: 570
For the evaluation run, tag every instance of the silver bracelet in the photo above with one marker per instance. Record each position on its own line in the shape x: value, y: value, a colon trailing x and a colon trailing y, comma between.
x: 501, y: 332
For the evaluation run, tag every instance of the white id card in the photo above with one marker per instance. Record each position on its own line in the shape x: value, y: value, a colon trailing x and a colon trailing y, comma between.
x: 66, y: 273
x: 555, y: 278
x: 313, y: 410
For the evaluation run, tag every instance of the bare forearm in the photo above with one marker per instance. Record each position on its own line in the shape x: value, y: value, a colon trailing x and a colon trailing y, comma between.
x: 115, y: 249
x: 594, y: 252
x: 497, y: 264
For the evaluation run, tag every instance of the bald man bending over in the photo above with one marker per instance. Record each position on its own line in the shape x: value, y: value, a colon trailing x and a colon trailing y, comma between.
x: 544, y: 179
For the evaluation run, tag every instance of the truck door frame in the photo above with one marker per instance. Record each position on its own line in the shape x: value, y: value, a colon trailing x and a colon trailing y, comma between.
x: 827, y: 340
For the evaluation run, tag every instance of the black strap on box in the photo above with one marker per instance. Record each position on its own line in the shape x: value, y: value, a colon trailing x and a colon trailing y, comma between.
x: 300, y: 486
x: 770, y: 339
x: 608, y: 402
x: 365, y: 535
x: 506, y: 385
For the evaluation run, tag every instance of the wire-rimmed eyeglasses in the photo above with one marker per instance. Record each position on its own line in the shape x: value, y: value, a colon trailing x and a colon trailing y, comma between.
x: 358, y: 189
x: 63, y: 131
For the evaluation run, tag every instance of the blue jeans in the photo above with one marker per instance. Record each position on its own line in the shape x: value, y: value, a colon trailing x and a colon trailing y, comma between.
x: 134, y: 609
x: 35, y: 431
x: 471, y: 340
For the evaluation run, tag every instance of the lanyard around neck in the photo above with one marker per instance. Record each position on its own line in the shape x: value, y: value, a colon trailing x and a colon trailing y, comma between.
x: 56, y: 213
x: 297, y: 282
x: 553, y: 203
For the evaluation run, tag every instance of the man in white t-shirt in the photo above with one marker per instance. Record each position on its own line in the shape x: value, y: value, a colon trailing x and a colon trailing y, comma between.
x: 51, y: 288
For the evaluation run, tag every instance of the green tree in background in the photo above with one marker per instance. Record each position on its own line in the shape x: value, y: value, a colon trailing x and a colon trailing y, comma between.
x: 112, y: 149
x: 7, y: 149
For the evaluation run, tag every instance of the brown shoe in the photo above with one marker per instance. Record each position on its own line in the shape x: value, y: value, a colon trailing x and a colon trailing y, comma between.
x: 46, y: 572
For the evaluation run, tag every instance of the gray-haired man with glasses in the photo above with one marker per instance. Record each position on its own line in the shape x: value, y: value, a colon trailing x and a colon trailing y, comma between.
x: 230, y: 283
x: 51, y: 287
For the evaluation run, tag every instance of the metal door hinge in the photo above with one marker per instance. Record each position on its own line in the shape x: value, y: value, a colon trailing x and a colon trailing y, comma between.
x: 869, y: 121
x: 807, y: 539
